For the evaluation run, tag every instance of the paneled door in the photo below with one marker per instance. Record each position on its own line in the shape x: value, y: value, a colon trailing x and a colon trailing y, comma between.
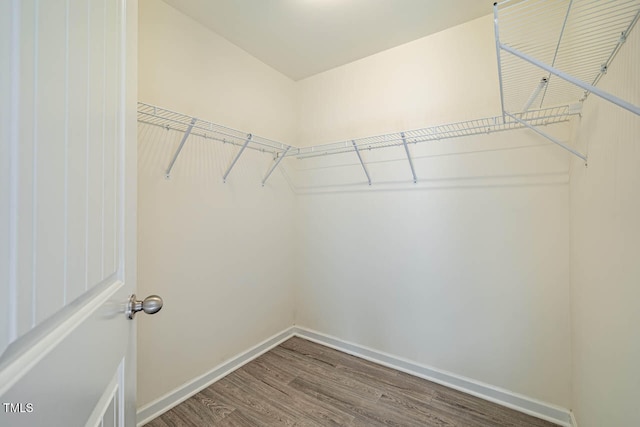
x: 67, y: 212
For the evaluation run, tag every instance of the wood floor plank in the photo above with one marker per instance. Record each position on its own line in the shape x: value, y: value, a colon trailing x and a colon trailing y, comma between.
x: 361, y: 409
x: 237, y: 419
x: 332, y: 378
x: 190, y: 413
x: 308, y: 407
x: 301, y: 383
x: 257, y: 406
x: 299, y: 407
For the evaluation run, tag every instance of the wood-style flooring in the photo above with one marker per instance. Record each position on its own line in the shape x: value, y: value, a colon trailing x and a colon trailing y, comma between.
x: 300, y: 383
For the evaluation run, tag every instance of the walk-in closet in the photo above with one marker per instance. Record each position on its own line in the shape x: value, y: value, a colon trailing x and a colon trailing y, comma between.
x: 354, y: 212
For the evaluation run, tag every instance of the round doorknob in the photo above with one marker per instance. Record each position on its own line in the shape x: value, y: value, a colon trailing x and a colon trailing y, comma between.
x: 151, y: 305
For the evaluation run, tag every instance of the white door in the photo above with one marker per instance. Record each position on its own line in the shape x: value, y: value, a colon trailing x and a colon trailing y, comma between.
x: 67, y: 212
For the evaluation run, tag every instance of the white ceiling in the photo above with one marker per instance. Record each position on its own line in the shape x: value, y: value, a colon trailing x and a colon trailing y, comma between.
x: 301, y: 38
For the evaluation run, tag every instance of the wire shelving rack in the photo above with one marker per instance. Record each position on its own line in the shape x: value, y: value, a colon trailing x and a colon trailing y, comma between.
x: 554, y: 52
x: 551, y: 55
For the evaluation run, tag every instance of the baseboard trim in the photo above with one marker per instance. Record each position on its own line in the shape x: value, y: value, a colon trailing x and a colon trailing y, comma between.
x: 518, y: 402
x: 185, y: 391
x: 503, y: 397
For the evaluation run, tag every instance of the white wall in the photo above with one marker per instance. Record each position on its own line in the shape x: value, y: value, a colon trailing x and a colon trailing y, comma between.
x: 605, y: 262
x: 219, y: 254
x: 203, y: 74
x: 446, y: 77
x: 466, y: 271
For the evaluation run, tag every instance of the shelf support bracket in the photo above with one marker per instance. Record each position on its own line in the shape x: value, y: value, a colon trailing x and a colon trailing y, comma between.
x: 364, y: 167
x: 406, y: 149
x: 549, y: 137
x: 586, y: 86
x: 167, y: 173
x: 226, y: 174
x: 275, y: 165
x: 498, y: 44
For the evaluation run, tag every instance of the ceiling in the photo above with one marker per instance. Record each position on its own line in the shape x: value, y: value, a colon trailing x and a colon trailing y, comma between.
x: 301, y: 38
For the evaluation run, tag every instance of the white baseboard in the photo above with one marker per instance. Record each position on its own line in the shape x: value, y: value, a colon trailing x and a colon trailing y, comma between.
x: 185, y: 391
x: 518, y: 402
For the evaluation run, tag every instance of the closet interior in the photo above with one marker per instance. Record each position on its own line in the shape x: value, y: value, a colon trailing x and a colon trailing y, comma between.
x: 467, y: 226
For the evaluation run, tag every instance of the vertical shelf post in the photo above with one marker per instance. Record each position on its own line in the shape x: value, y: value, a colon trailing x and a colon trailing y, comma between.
x: 275, y: 165
x: 226, y: 174
x: 364, y: 167
x: 498, y: 44
x: 406, y: 149
x: 167, y: 173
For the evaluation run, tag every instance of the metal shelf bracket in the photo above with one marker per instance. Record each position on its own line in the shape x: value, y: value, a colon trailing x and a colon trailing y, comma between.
x: 364, y: 167
x: 498, y: 44
x: 244, y: 146
x: 167, y: 174
x: 275, y: 165
x: 406, y: 149
x: 549, y: 137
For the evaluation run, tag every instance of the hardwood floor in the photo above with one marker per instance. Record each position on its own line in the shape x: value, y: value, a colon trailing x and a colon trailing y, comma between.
x: 300, y: 383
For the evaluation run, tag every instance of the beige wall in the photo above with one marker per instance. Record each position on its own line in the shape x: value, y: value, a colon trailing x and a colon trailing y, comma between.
x: 446, y: 77
x: 605, y: 261
x: 466, y: 271
x: 219, y: 254
x: 200, y: 73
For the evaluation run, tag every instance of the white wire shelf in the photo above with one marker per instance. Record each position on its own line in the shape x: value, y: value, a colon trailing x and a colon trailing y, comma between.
x: 440, y: 132
x: 168, y: 119
x: 554, y: 52
x: 551, y: 56
x: 156, y: 116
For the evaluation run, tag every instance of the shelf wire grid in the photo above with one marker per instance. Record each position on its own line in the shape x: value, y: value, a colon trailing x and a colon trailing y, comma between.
x: 578, y: 37
x: 440, y: 132
x: 156, y: 116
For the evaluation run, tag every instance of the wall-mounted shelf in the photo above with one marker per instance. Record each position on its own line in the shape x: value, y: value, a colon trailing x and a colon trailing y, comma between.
x: 554, y: 52
x: 551, y: 54
x: 442, y: 132
x: 168, y: 119
x: 191, y: 126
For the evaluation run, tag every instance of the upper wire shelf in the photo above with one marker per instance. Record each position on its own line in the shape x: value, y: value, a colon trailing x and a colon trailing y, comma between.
x: 551, y: 55
x: 168, y: 119
x: 554, y: 52
x: 446, y: 131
